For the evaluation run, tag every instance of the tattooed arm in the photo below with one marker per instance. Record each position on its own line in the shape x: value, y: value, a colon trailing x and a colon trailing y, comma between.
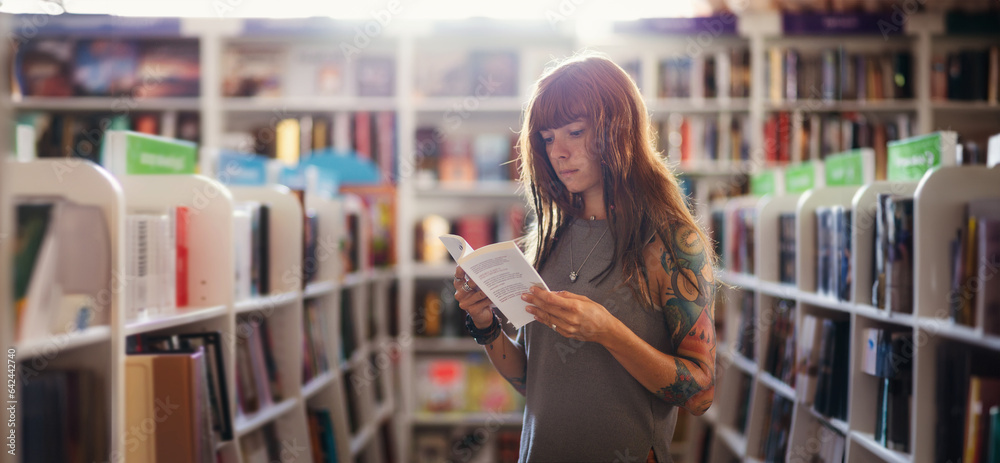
x: 682, y: 373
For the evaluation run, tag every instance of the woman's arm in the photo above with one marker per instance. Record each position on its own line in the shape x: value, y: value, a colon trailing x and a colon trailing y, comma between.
x: 507, y: 355
x: 685, y: 290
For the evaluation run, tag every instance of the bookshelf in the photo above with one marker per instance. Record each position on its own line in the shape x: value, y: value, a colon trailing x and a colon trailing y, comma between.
x: 643, y: 52
x: 939, y: 208
x: 212, y: 305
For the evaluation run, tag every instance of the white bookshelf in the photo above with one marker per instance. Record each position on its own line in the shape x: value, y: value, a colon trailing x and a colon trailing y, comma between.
x: 212, y: 306
x: 939, y: 210
x: 99, y: 349
x: 220, y: 115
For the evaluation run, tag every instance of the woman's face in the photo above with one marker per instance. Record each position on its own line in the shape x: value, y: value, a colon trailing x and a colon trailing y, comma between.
x: 577, y: 166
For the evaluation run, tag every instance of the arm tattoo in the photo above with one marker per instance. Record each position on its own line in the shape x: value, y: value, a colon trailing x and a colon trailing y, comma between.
x: 518, y: 383
x: 689, y: 292
x: 683, y: 388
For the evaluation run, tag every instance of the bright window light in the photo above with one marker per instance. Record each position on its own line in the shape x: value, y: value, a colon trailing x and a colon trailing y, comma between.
x: 31, y: 7
x: 574, y: 11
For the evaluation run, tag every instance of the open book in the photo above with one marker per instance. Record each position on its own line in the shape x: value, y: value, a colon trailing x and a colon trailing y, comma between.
x: 501, y: 270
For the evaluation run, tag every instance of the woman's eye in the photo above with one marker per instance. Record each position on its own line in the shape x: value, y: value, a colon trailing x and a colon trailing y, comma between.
x: 547, y: 140
x: 576, y: 133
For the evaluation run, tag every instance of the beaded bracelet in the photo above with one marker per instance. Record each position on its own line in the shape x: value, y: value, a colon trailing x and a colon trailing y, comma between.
x: 486, y: 335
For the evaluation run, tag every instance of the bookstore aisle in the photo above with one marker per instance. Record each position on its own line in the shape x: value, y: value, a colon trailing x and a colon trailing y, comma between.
x: 162, y: 315
x: 243, y: 210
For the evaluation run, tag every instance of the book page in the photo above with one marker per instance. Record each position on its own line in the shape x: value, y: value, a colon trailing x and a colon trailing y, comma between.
x: 456, y: 245
x: 503, y: 273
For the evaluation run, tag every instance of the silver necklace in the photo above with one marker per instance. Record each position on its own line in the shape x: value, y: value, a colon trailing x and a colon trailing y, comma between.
x: 573, y: 275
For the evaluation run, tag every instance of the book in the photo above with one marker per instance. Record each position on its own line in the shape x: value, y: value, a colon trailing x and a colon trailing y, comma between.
x: 501, y: 271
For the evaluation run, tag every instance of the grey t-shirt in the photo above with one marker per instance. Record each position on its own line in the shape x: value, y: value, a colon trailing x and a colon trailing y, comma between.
x: 582, y: 405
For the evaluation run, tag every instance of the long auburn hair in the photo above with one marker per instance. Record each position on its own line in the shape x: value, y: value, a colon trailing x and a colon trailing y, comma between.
x: 641, y: 194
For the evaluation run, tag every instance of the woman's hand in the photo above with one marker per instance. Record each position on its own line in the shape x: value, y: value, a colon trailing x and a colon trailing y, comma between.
x: 472, y: 300
x: 571, y: 315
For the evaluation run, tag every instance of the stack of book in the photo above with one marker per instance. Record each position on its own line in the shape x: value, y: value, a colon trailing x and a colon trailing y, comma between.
x: 833, y: 252
x: 887, y: 355
x: 893, y: 283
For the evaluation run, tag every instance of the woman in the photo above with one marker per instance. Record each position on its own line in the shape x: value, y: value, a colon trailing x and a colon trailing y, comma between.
x: 627, y: 335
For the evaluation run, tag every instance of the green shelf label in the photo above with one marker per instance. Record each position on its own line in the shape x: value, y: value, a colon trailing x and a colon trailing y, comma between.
x: 847, y: 168
x: 911, y: 158
x: 149, y: 154
x: 763, y: 183
x: 800, y: 177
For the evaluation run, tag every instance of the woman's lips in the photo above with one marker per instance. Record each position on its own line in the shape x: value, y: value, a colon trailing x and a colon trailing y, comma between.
x: 568, y: 171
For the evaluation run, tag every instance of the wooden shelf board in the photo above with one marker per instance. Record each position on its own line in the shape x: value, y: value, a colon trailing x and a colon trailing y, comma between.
x: 959, y: 333
x: 470, y: 103
x: 777, y: 385
x: 825, y: 301
x: 319, y: 288
x: 62, y: 342
x: 834, y: 423
x: 247, y: 423
x: 273, y: 300
x: 698, y: 105
x: 317, y: 384
x: 445, y: 345
x: 496, y: 189
x: 885, y: 316
x: 736, y: 442
x: 868, y: 441
x: 744, y: 364
x: 183, y: 316
x: 109, y: 104
x: 309, y: 104
x: 434, y: 271
x: 887, y: 105
x: 740, y: 280
x: 469, y: 419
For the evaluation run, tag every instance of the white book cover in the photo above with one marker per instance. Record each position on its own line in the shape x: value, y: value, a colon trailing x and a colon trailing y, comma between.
x: 502, y: 272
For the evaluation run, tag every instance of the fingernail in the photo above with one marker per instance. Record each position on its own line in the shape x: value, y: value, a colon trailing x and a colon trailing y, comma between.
x: 528, y: 309
x: 524, y: 297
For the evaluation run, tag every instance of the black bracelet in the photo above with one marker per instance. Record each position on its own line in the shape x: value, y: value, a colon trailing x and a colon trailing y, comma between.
x: 486, y: 335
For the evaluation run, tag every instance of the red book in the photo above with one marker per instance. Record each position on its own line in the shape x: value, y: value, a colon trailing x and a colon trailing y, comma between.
x: 363, y: 134
x: 686, y: 141
x: 477, y: 230
x: 181, y: 269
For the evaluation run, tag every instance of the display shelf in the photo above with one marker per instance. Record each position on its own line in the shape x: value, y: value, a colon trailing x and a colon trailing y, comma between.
x: 267, y: 302
x: 868, y: 442
x: 468, y: 419
x: 445, y: 345
x: 740, y: 280
x: 885, y: 316
x: 355, y: 279
x: 887, y: 105
x: 697, y: 106
x: 319, y: 288
x: 182, y: 316
x: 245, y: 424
x: 966, y: 106
x: 110, y: 104
x: 825, y: 301
x: 834, y: 423
x: 744, y: 364
x: 360, y: 440
x: 309, y: 104
x: 736, y: 442
x: 434, y: 271
x: 470, y: 103
x: 497, y: 189
x: 777, y: 385
x: 958, y: 333
x: 65, y: 341
x: 315, y: 385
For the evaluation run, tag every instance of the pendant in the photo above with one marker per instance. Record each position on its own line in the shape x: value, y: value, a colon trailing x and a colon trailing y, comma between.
x: 572, y: 277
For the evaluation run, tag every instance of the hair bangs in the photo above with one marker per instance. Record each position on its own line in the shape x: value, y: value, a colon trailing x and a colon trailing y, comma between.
x: 558, y: 103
